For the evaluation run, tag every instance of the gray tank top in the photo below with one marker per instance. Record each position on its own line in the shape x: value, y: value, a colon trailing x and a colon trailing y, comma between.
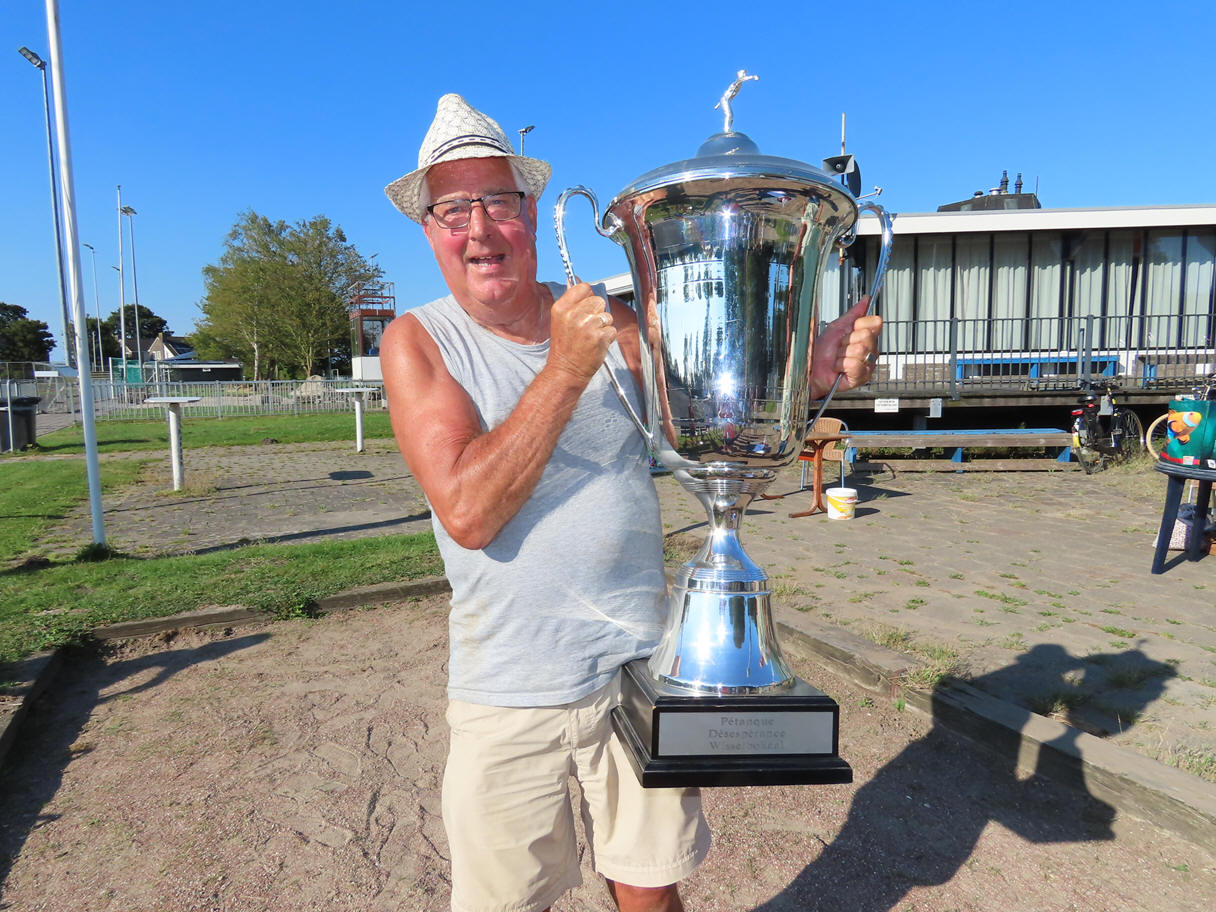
x: 572, y: 587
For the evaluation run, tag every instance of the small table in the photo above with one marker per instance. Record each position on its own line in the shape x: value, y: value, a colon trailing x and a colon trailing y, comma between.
x: 815, y: 445
x: 359, y: 393
x: 175, y: 404
x: 1178, y: 477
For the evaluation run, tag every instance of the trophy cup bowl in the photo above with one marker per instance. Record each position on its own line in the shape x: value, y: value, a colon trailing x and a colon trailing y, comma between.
x: 728, y: 252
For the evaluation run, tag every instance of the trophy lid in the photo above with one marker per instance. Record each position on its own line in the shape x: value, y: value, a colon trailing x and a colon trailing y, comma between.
x: 741, y: 167
x: 733, y: 158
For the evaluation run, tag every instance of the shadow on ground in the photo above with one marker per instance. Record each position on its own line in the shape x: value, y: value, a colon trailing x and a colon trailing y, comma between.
x: 84, y: 682
x: 916, y: 823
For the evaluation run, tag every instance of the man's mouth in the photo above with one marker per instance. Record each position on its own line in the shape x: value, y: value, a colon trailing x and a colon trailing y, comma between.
x: 485, y: 262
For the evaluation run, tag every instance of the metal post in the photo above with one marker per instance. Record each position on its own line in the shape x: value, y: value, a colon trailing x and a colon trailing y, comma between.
x: 68, y: 188
x: 101, y: 355
x: 954, y: 394
x: 139, y: 343
x: 175, y: 444
x: 1089, y: 344
x: 122, y: 294
x: 8, y: 402
x: 50, y: 160
x: 359, y: 422
x: 1082, y: 380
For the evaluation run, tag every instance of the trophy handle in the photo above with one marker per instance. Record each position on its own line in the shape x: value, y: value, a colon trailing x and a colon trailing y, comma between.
x: 887, y: 229
x: 614, y: 225
x: 559, y: 225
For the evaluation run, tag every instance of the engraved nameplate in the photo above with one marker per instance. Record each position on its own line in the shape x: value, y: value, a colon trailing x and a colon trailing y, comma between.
x: 724, y: 733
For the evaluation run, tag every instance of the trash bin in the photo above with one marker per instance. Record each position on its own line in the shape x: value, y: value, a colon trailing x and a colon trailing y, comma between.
x: 18, y: 423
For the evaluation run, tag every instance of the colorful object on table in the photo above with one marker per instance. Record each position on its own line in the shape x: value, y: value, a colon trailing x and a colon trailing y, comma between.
x: 1190, y: 433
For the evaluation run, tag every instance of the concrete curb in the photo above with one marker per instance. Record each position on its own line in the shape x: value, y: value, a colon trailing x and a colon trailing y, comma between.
x: 1169, y: 798
x: 31, y: 677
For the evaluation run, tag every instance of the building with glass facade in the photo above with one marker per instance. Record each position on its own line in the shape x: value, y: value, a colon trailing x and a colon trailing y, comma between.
x: 1002, y: 297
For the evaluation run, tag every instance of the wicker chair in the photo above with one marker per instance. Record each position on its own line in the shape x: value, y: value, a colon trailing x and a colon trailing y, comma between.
x: 832, y: 454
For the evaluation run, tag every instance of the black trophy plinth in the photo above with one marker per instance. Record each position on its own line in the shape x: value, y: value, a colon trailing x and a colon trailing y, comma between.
x: 678, y: 738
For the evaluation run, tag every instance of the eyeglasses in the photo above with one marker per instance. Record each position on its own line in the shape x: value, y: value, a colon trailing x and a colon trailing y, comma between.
x: 500, y: 207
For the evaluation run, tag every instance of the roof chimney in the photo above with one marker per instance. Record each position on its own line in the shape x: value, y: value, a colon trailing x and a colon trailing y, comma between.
x: 1017, y: 185
x: 1004, y: 182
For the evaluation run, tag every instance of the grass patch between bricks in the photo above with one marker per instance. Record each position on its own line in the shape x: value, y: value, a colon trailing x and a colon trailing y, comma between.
x: 938, y: 662
x: 1193, y: 760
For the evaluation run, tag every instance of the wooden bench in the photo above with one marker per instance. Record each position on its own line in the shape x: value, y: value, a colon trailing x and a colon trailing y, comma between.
x: 960, y: 441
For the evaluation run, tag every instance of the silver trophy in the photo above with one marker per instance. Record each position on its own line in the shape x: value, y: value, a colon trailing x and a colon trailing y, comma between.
x: 728, y: 251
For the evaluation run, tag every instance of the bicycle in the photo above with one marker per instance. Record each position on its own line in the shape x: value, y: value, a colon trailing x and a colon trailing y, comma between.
x: 1095, y: 441
x: 1157, y: 435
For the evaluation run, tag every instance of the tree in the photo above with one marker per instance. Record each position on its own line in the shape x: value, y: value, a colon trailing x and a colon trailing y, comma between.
x: 150, y: 325
x: 109, y: 340
x: 276, y: 299
x: 23, y: 339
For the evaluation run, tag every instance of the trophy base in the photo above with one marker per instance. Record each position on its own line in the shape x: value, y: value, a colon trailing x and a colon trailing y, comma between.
x: 675, y: 738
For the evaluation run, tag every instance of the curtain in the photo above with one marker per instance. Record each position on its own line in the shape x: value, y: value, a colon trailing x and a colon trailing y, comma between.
x: 1011, y: 273
x: 1046, y: 264
x: 933, y: 273
x: 972, y: 268
x: 896, y: 301
x: 1121, y: 286
x: 1197, y: 297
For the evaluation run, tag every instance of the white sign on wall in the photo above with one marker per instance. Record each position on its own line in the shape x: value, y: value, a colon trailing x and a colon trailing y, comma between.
x: 886, y: 405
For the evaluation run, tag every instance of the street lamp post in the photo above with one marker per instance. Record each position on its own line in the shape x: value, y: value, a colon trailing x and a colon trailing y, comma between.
x: 524, y: 131
x: 139, y: 345
x: 71, y: 245
x: 122, y: 333
x: 101, y: 355
x: 122, y: 294
x: 50, y: 157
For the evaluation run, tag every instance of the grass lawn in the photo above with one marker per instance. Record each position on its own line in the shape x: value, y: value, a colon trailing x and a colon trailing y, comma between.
x: 36, y: 495
x: 51, y: 603
x: 127, y: 436
x: 283, y: 580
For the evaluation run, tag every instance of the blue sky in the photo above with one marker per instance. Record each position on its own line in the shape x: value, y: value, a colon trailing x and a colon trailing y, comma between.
x: 201, y: 111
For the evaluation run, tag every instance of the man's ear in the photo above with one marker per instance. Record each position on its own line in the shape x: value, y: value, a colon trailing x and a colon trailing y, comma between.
x: 428, y: 227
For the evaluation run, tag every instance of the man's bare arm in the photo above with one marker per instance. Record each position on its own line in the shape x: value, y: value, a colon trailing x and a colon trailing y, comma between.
x: 477, y: 480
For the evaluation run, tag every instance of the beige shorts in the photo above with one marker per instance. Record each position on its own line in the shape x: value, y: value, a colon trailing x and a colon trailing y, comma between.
x: 508, y: 812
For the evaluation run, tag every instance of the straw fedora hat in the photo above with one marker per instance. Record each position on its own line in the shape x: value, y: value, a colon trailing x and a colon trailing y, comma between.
x: 461, y: 131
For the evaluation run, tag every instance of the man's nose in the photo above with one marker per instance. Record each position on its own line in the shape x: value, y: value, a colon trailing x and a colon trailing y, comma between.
x: 479, y: 222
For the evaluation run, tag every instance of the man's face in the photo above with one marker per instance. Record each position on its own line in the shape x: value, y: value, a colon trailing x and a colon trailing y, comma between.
x: 489, y: 266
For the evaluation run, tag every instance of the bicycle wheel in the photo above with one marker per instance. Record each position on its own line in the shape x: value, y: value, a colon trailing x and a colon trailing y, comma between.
x: 1130, y: 434
x: 1091, y: 460
x: 1156, y: 436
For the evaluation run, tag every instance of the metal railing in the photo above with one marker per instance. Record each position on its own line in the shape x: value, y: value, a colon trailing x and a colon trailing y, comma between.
x: 960, y: 357
x: 950, y: 358
x: 226, y: 399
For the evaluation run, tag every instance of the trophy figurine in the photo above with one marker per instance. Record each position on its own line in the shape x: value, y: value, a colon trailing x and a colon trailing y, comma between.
x: 728, y: 251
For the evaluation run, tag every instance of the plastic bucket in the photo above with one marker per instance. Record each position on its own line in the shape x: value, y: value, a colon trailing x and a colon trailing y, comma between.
x: 842, y: 502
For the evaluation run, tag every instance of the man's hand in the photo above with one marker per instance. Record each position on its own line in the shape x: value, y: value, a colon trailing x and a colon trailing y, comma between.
x: 848, y: 345
x: 580, y: 332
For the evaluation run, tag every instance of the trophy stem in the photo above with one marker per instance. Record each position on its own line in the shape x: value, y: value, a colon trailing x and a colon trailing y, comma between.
x: 720, y: 637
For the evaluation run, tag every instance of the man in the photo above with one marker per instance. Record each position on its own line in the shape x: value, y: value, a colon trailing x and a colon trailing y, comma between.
x: 549, y: 527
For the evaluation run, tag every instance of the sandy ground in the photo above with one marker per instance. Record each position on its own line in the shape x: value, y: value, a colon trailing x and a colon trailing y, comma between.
x: 296, y: 766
